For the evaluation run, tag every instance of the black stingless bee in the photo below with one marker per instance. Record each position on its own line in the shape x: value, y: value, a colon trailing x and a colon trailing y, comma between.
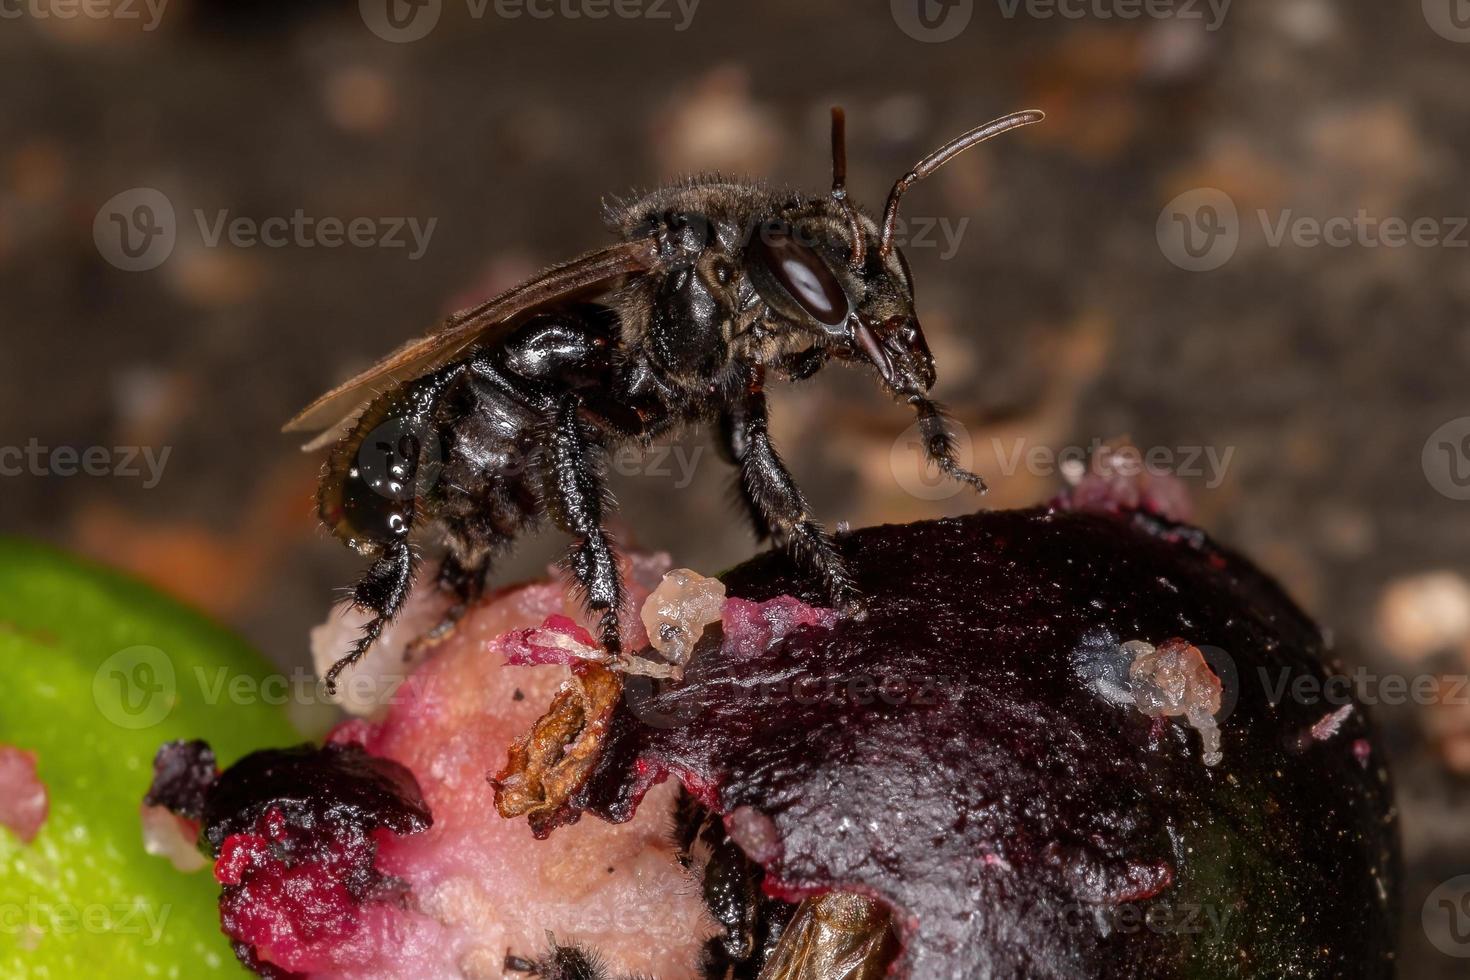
x: 508, y: 409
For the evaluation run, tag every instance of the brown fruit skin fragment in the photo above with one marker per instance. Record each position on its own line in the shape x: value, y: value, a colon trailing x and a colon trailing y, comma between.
x: 547, y: 765
x: 1017, y: 823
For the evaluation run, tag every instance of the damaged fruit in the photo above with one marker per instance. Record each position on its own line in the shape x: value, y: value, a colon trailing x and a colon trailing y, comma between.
x: 980, y: 776
x: 945, y: 756
x: 454, y: 898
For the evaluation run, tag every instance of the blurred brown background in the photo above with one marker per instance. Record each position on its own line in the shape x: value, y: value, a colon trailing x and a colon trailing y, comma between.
x: 1324, y: 377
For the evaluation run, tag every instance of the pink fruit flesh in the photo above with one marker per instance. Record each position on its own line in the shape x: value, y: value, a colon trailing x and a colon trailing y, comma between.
x: 167, y: 835
x: 478, y: 885
x: 23, y: 800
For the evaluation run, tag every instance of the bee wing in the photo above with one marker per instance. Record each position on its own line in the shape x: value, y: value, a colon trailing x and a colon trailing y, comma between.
x: 836, y: 936
x: 336, y: 408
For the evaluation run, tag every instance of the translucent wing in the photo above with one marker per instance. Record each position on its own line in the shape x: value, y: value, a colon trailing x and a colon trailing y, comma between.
x: 468, y: 327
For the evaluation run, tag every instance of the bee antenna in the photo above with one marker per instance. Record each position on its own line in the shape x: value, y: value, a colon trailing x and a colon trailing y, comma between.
x: 943, y: 155
x: 839, y: 188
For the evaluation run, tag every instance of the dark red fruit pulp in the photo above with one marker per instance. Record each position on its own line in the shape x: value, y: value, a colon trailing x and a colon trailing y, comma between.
x: 295, y: 833
x: 951, y: 754
x: 183, y: 773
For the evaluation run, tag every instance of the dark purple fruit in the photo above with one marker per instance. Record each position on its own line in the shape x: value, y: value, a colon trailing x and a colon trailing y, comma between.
x: 964, y: 754
x: 295, y: 835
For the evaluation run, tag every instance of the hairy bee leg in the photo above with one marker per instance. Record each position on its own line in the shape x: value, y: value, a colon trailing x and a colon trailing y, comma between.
x: 939, y: 442
x: 381, y: 591
x: 773, y: 491
x: 563, y: 961
x: 577, y: 499
x: 465, y: 581
x: 734, y: 444
x: 734, y: 438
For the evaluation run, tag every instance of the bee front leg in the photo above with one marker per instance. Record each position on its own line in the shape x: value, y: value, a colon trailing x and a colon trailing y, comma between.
x: 780, y: 505
x: 577, y: 500
x: 381, y: 592
x: 939, y: 442
x: 734, y: 445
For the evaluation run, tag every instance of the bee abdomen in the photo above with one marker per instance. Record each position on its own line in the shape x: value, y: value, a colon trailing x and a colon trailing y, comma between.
x: 379, y: 475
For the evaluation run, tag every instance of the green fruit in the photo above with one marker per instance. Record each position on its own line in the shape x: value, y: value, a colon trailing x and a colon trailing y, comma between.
x: 98, y: 671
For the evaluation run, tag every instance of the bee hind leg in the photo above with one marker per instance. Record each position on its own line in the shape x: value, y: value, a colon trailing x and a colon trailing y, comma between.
x: 577, y: 501
x: 381, y: 591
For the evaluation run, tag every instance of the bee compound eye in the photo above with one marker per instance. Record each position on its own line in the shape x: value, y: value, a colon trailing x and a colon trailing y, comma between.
x: 801, y: 273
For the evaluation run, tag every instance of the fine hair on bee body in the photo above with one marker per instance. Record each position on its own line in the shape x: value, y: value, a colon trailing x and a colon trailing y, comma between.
x: 564, y: 961
x: 505, y: 415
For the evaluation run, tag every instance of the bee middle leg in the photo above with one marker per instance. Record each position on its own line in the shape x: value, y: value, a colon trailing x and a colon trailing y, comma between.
x: 577, y: 500
x: 779, y: 505
x: 465, y: 580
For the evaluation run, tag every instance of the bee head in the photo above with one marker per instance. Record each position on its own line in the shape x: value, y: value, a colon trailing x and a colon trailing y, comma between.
x: 800, y: 265
x: 831, y: 270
